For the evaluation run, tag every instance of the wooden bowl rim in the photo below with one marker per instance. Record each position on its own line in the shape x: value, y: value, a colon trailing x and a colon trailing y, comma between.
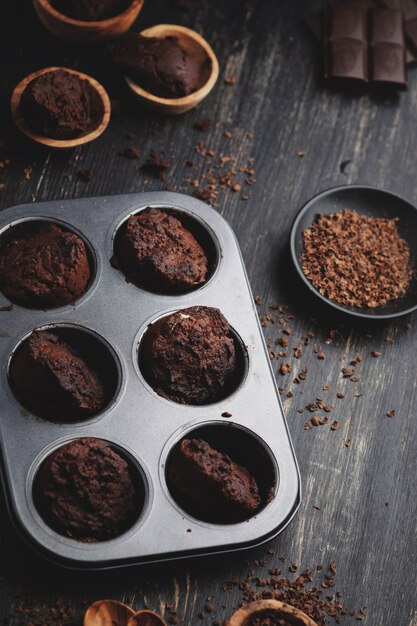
x: 99, y: 602
x: 241, y: 615
x: 50, y: 141
x: 147, y: 612
x: 46, y: 6
x: 195, y: 96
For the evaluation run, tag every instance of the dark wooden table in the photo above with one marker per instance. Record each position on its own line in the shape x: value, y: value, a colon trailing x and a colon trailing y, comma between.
x: 365, y: 493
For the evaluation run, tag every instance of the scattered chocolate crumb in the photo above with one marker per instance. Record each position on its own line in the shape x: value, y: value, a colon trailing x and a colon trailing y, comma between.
x: 340, y: 395
x: 347, y: 442
x: 301, y: 153
x: 203, y: 124
x: 130, y: 153
x: 335, y: 425
x: 156, y: 166
x: 316, y: 506
x: 321, y: 355
x: 296, y: 592
x: 85, y: 174
x: 204, y: 194
x: 227, y: 134
x: 283, y: 342
x: 226, y: 414
x: 55, y: 612
x: 230, y: 80
x: 391, y: 413
x: 376, y: 354
x: 285, y: 368
x: 8, y: 307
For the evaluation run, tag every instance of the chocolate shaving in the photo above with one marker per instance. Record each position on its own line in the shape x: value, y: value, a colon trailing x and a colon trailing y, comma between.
x: 356, y: 260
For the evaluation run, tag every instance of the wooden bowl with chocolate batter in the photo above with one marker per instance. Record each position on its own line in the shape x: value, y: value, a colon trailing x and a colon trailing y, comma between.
x: 79, y: 31
x: 269, y: 612
x: 97, y: 127
x: 198, y: 48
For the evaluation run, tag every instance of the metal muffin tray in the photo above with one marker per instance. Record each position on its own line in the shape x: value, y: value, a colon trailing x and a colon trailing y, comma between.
x: 113, y: 316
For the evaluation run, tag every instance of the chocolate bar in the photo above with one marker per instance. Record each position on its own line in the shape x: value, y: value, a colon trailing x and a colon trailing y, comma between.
x: 364, y: 46
x: 314, y: 23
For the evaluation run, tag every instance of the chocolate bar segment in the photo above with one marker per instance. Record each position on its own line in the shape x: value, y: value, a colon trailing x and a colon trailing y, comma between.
x: 314, y: 22
x: 411, y: 31
x: 346, y: 21
x: 387, y: 27
x: 408, y: 7
x: 346, y: 48
x: 387, y: 48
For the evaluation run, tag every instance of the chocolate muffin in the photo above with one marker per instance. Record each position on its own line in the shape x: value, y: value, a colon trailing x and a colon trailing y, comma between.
x: 189, y: 356
x: 84, y: 490
x: 156, y: 251
x: 61, y: 105
x: 91, y: 10
x: 44, y: 269
x: 161, y: 66
x: 210, y: 485
x: 52, y: 381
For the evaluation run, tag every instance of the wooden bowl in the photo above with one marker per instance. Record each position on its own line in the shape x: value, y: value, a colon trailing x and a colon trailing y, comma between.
x: 107, y: 613
x: 78, y: 32
x: 255, y: 609
x: 146, y: 618
x: 195, y: 45
x: 24, y: 127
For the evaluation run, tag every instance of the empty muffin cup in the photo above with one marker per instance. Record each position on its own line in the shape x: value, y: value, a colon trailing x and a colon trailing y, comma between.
x: 44, y: 264
x: 193, y: 356
x: 64, y: 373
x: 221, y: 474
x: 165, y: 251
x: 89, y: 490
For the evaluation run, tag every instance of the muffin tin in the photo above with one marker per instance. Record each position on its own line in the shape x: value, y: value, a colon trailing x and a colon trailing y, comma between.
x: 143, y: 426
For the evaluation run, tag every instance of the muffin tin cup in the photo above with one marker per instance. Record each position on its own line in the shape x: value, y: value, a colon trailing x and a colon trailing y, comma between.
x: 143, y: 425
x: 98, y: 354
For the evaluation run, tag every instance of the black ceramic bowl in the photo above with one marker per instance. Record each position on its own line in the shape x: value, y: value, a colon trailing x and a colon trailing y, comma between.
x: 371, y: 202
